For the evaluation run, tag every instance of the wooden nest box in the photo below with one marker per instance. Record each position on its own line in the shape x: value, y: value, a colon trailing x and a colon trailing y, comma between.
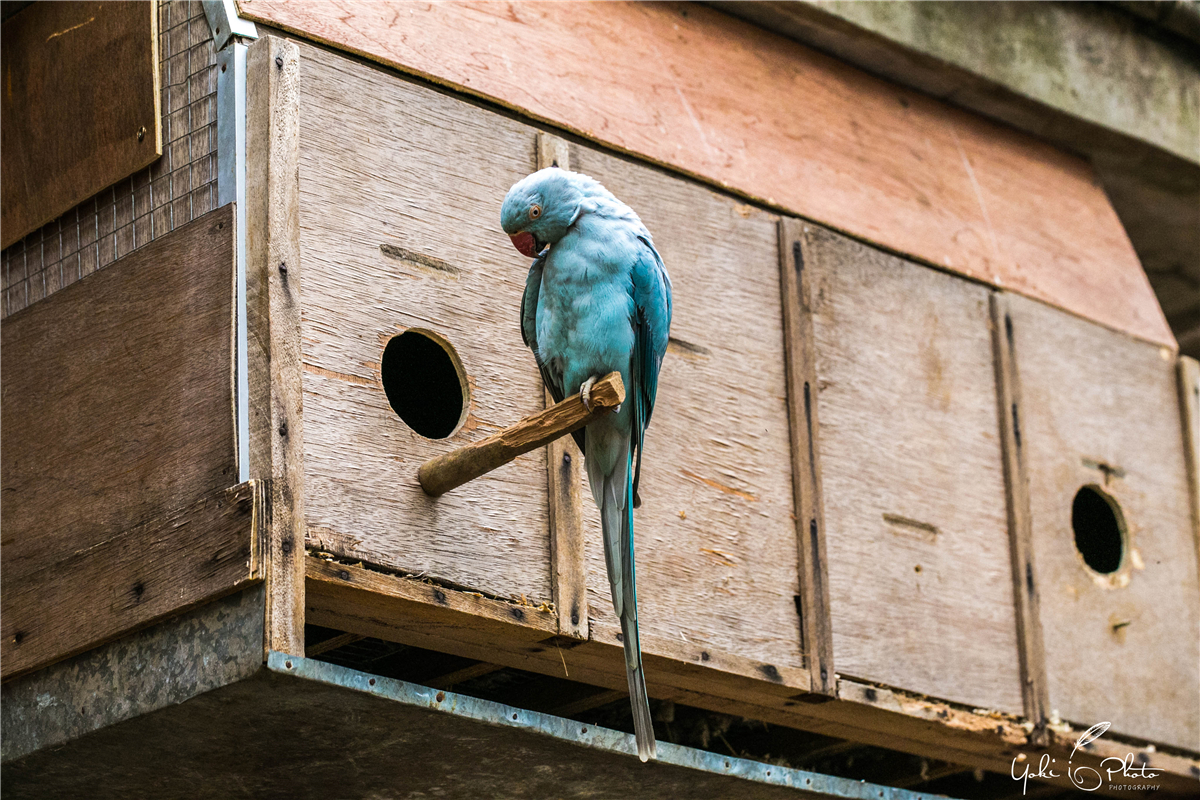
x: 881, y: 500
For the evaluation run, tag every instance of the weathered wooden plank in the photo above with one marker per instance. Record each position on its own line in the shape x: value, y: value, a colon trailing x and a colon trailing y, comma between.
x: 273, y: 314
x: 1102, y: 410
x: 1020, y: 532
x: 159, y: 568
x: 451, y: 470
x: 715, y: 535
x: 342, y: 592
x: 920, y: 578
x: 1189, y: 407
x: 118, y: 396
x: 403, y: 609
x: 564, y: 480
x: 780, y: 123
x: 396, y: 178
x: 816, y: 638
x: 80, y: 103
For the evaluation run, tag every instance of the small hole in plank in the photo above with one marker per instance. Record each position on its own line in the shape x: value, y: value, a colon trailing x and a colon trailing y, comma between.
x: 1099, y: 529
x: 425, y: 383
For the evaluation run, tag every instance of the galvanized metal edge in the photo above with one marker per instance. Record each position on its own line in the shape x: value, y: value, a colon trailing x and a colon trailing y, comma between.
x: 591, y: 736
x: 225, y: 23
x: 231, y: 188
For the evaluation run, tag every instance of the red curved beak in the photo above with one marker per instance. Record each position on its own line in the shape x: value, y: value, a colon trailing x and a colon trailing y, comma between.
x: 525, y: 243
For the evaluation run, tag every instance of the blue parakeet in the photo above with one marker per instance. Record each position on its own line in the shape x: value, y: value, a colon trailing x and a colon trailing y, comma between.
x: 597, y: 300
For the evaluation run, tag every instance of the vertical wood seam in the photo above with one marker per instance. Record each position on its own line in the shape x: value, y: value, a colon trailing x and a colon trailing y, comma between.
x: 273, y: 314
x: 568, y: 570
x: 1189, y: 409
x: 1034, y: 691
x: 816, y: 634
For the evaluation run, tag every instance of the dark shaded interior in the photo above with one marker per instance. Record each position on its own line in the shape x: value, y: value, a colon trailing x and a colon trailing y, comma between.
x: 1097, y: 525
x: 422, y: 384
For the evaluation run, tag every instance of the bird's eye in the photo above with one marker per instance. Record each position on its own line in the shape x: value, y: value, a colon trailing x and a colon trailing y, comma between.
x: 535, y: 212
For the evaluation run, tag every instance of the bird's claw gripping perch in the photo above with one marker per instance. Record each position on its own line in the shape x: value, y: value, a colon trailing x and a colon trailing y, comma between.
x: 585, y: 392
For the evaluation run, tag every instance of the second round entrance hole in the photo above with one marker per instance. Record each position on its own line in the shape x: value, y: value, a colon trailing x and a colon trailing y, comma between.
x: 1099, y: 529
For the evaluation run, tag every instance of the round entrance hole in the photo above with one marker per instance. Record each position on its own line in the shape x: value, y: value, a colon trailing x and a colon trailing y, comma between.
x: 1099, y: 529
x: 425, y: 383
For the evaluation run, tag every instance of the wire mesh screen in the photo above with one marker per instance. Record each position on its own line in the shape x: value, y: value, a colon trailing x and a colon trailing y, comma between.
x: 174, y: 190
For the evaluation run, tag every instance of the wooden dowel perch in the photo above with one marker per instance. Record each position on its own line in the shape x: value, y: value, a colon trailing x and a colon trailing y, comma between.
x: 440, y: 475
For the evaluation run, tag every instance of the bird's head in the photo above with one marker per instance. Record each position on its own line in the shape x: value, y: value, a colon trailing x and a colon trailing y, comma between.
x: 540, y: 208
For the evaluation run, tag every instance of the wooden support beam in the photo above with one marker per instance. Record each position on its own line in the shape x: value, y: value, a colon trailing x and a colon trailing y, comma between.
x: 273, y: 314
x: 440, y: 475
x: 564, y: 478
x: 1020, y: 525
x: 160, y: 568
x: 816, y: 635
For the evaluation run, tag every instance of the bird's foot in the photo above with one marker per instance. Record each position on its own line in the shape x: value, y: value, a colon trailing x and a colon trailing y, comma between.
x: 585, y: 392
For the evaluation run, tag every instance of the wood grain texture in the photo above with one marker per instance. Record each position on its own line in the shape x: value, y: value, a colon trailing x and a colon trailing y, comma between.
x: 564, y: 482
x: 816, y: 637
x: 450, y: 470
x: 715, y: 536
x: 385, y: 162
x: 157, y: 569
x: 1020, y: 531
x: 118, y: 396
x: 81, y: 106
x: 1101, y: 409
x: 916, y: 526
x: 777, y: 122
x: 273, y: 274
x: 437, y: 610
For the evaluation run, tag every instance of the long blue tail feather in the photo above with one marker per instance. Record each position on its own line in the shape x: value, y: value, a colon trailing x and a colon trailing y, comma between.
x: 616, y: 517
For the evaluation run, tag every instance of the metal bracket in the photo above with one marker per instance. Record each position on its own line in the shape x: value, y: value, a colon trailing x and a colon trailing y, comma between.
x: 225, y: 23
